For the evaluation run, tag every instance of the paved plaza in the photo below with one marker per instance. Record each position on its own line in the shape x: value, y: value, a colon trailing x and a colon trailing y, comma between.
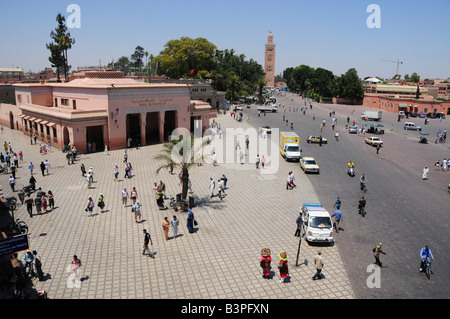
x: 220, y: 260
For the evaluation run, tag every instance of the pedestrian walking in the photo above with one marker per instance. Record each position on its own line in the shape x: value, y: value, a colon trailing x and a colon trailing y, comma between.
x: 136, y: 209
x: 29, y: 202
x: 38, y: 204
x: 212, y: 185
x: 376, y: 253
x: 337, y: 203
x: 116, y: 173
x: 90, y: 206
x: 20, y: 157
x: 257, y: 161
x: 378, y: 148
x: 83, y: 169
x: 318, y: 263
x: 89, y: 180
x: 425, y: 172
x: 444, y: 164
x: 338, y: 217
x: 174, y: 225
x: 283, y: 266
x: 12, y: 183
x: 13, y: 170
x: 91, y: 173
x: 125, y: 157
x: 44, y: 201
x: 76, y: 265
x: 133, y: 195
x: 30, y: 167
x: 190, y: 186
x: 147, y: 240
x: 42, y: 166
x: 292, y: 178
x: 101, y: 202
x: 336, y: 135
x: 15, y: 160
x: 265, y: 261
x: 288, y: 182
x: 124, y: 197
x: 190, y: 221
x: 299, y: 222
x: 263, y: 161
x: 437, y: 165
x: 32, y: 182
x: 47, y: 166
x: 38, y: 265
x: 106, y: 150
x: 166, y: 227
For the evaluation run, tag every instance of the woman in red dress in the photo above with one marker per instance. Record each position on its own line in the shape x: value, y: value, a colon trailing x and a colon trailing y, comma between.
x: 265, y: 262
x: 283, y: 266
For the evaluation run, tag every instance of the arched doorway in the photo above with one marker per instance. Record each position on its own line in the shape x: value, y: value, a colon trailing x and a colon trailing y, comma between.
x: 11, y: 120
x: 66, y: 137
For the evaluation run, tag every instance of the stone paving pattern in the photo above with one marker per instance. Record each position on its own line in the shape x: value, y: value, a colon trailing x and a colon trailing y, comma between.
x: 220, y: 260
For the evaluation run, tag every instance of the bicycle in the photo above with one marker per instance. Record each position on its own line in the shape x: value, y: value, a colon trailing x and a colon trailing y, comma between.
x: 362, y: 211
x: 427, y: 268
x: 11, y: 202
x: 19, y: 227
x: 363, y: 187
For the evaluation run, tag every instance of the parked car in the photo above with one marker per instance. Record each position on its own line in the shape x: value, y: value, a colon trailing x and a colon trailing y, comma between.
x: 422, y: 115
x: 411, y: 126
x: 353, y: 129
x: 316, y: 139
x: 373, y: 140
x: 411, y: 114
x: 309, y: 165
x: 401, y: 113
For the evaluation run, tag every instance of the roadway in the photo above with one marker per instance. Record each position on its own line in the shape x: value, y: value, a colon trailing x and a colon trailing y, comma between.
x: 403, y: 211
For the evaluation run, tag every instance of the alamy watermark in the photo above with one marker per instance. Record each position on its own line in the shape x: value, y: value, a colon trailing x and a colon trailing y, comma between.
x: 237, y: 145
x: 73, y: 21
x: 374, y: 19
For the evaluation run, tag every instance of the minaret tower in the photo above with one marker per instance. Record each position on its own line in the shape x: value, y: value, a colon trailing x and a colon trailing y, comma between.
x: 269, y: 63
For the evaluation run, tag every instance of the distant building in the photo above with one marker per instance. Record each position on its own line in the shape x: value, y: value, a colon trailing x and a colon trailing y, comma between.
x: 104, y: 108
x: 269, y: 61
x: 395, y: 98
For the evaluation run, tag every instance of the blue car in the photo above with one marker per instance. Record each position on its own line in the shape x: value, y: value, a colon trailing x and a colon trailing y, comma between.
x: 422, y: 115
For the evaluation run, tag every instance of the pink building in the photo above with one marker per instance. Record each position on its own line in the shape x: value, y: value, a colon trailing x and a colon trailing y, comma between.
x: 103, y: 108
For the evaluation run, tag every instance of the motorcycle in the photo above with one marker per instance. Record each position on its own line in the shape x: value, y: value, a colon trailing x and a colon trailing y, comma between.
x: 351, y: 171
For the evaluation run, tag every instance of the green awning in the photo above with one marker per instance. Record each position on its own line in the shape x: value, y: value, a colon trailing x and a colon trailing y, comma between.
x: 403, y: 105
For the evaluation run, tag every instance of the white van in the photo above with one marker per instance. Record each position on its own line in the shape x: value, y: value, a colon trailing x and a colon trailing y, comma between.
x: 317, y: 224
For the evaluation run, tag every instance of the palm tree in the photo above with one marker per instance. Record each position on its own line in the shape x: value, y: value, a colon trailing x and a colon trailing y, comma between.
x: 261, y: 83
x: 233, y: 81
x: 179, y: 154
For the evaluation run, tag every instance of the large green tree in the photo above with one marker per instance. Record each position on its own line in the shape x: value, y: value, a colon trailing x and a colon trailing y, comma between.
x: 349, y: 86
x: 183, y: 55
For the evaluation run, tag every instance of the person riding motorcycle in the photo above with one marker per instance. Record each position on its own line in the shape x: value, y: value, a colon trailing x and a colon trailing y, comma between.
x: 361, y: 205
x: 363, y: 181
x: 349, y: 166
x: 425, y: 253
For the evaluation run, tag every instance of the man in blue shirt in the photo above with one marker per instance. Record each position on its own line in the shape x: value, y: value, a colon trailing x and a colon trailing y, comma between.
x: 425, y: 253
x: 337, y: 218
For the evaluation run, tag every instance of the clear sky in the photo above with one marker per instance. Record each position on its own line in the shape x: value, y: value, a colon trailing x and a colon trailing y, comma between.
x: 332, y: 34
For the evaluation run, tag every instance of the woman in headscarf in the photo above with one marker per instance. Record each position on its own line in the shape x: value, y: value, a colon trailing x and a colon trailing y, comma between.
x: 190, y: 221
x: 265, y: 262
x: 283, y: 266
x: 166, y: 226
